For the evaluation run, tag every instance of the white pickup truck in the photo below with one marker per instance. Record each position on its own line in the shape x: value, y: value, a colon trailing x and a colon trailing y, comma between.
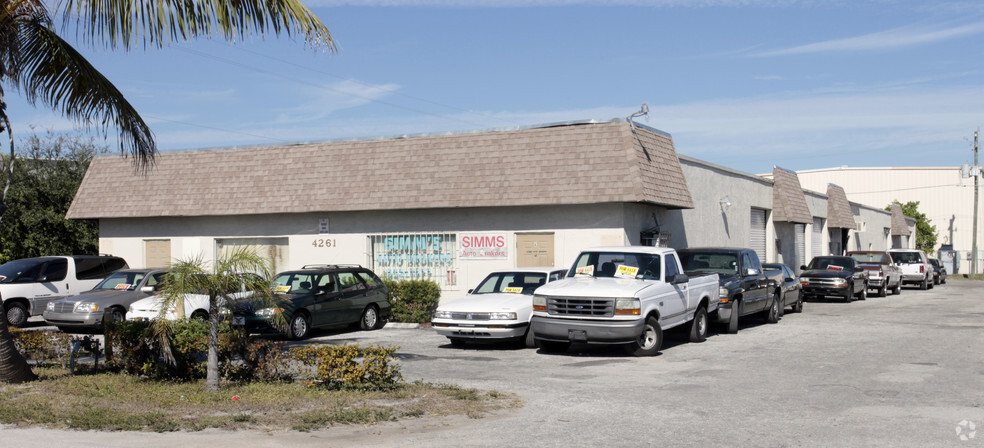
x: 623, y: 295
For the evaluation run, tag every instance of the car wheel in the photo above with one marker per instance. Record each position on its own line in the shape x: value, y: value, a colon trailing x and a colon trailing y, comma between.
x: 114, y: 315
x: 772, y: 314
x: 883, y: 291
x: 200, y: 315
x: 798, y: 306
x: 16, y: 314
x: 649, y: 341
x: 457, y: 342
x: 924, y: 285
x: 863, y: 295
x: 300, y: 326
x: 369, y: 319
x: 698, y: 326
x: 898, y: 288
x: 943, y: 280
x: 552, y: 346
x: 733, y: 320
x: 530, y: 340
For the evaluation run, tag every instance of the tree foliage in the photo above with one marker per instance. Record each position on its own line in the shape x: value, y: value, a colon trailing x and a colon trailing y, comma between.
x: 50, y: 170
x: 925, y: 230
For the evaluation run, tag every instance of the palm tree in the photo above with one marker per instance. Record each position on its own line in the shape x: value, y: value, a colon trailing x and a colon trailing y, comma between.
x: 49, y: 71
x: 225, y: 282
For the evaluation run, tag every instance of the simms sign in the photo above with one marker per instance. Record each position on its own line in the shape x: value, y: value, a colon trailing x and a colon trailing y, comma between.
x: 482, y: 245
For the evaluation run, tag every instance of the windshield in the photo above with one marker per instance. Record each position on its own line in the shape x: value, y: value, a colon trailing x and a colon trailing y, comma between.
x: 293, y: 283
x: 123, y: 280
x: 831, y: 263
x: 871, y: 257
x: 19, y: 271
x: 617, y: 264
x: 511, y: 282
x: 721, y: 263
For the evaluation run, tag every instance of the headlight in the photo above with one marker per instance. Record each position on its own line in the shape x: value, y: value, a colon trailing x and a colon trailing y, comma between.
x: 627, y: 306
x: 269, y: 311
x: 83, y: 307
x: 51, y: 306
x: 442, y: 314
x: 502, y: 316
x: 722, y: 292
x: 840, y: 282
x: 539, y: 303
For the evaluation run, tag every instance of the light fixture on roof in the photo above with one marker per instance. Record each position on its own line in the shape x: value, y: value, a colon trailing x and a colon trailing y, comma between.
x: 643, y: 111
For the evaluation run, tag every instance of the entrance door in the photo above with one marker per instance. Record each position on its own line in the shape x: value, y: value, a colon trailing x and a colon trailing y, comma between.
x: 534, y: 249
x: 157, y: 253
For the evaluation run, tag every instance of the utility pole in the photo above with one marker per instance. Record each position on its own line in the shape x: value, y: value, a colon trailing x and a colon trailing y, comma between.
x: 973, y: 252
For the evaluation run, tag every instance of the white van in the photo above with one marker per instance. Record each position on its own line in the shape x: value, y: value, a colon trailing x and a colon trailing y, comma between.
x: 28, y: 284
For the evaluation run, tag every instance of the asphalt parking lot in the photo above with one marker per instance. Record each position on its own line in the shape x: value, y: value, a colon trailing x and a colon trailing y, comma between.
x: 896, y: 371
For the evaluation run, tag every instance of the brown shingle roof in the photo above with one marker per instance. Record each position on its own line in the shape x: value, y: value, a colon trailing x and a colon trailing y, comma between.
x: 788, y: 200
x: 571, y: 164
x: 839, y: 209
x: 899, y: 226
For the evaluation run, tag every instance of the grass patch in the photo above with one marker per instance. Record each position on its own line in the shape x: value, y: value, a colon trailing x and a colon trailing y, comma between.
x: 118, y: 402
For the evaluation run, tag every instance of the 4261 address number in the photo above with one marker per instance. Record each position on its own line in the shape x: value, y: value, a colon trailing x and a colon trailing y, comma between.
x: 325, y: 242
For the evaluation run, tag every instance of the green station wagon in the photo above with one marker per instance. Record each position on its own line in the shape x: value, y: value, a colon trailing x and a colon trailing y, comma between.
x: 320, y: 296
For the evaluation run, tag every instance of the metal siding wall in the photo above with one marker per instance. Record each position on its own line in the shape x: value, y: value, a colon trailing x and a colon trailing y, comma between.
x: 817, y: 237
x: 757, y: 232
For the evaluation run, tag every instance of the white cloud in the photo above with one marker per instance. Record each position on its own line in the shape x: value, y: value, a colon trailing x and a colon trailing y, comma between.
x: 320, y: 101
x: 890, y: 39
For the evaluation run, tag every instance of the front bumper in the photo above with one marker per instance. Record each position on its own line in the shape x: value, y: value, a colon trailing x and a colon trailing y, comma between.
x: 590, y: 331
x: 93, y: 319
x: 824, y: 291
x: 508, y: 329
x: 723, y: 313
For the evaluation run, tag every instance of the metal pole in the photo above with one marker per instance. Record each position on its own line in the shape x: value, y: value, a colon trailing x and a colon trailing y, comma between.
x: 973, y: 253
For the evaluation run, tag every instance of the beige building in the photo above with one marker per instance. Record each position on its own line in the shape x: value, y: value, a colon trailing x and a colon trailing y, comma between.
x: 944, y: 196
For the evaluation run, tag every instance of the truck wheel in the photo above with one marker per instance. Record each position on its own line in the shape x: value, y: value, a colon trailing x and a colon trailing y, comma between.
x: 772, y: 314
x: 552, y: 346
x: 798, y: 306
x: 849, y: 294
x: 883, y: 291
x: 898, y: 288
x: 863, y: 295
x: 698, y: 326
x: 924, y: 285
x: 649, y: 341
x: 16, y: 314
x: 733, y: 320
x: 530, y: 341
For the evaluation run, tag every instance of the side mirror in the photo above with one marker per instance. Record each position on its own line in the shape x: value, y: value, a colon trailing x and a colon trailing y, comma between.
x: 679, y: 278
x: 147, y: 289
x: 752, y: 271
x: 788, y: 279
x: 858, y: 269
x: 470, y: 290
x: 803, y: 268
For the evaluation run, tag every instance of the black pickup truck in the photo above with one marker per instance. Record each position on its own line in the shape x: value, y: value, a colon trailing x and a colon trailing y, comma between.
x: 744, y: 285
x: 834, y: 276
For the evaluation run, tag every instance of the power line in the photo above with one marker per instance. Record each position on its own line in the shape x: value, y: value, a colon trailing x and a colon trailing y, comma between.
x: 217, y: 129
x: 907, y: 189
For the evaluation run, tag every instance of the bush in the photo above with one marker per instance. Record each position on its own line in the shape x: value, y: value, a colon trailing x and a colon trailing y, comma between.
x: 136, y: 351
x: 413, y: 301
x: 338, y: 367
x: 43, y: 347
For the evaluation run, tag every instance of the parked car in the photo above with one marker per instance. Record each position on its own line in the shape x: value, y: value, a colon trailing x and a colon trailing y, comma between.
x: 28, y: 284
x: 196, y: 306
x: 319, y: 296
x: 623, y: 295
x: 834, y: 276
x: 915, y: 267
x: 745, y: 289
x: 109, y: 300
x: 939, y: 271
x: 498, y: 309
x: 791, y: 287
x: 883, y: 274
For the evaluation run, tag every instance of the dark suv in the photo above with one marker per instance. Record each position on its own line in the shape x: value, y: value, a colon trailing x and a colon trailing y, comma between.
x: 319, y: 296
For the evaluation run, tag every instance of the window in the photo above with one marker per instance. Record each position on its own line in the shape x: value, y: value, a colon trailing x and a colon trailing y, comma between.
x: 671, y: 267
x: 350, y: 282
x: 371, y: 280
x: 54, y: 271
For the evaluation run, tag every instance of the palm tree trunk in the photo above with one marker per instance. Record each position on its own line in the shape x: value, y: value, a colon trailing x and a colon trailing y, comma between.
x: 13, y: 366
x: 212, y: 368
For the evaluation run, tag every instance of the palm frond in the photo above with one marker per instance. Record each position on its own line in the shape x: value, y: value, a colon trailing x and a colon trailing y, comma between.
x: 123, y: 23
x: 52, y: 72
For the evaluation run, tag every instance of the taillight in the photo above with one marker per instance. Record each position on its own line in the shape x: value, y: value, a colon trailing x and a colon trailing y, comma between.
x: 922, y: 269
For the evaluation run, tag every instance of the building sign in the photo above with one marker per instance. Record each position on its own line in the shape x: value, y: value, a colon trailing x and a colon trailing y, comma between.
x: 323, y: 225
x: 482, y: 245
x: 415, y: 256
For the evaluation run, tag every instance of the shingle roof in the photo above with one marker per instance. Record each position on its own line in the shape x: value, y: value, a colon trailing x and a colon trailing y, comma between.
x: 569, y: 164
x: 788, y: 200
x: 899, y: 226
x: 839, y: 209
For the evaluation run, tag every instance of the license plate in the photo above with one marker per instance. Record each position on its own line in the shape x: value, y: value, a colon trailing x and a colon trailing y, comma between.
x: 577, y: 335
x: 238, y: 320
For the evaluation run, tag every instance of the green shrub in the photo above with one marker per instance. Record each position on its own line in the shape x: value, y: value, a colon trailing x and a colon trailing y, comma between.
x: 43, y: 347
x: 413, y: 300
x: 338, y: 366
x: 136, y: 351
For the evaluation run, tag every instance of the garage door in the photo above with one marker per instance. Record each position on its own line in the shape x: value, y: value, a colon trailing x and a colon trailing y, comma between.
x: 817, y: 238
x: 800, y: 232
x: 157, y: 253
x: 757, y: 240
x: 274, y: 249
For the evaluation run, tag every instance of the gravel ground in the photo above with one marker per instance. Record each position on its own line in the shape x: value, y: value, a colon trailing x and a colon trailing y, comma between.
x: 896, y: 371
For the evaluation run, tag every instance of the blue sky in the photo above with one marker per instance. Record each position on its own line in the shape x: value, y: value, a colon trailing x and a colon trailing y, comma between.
x: 746, y: 84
